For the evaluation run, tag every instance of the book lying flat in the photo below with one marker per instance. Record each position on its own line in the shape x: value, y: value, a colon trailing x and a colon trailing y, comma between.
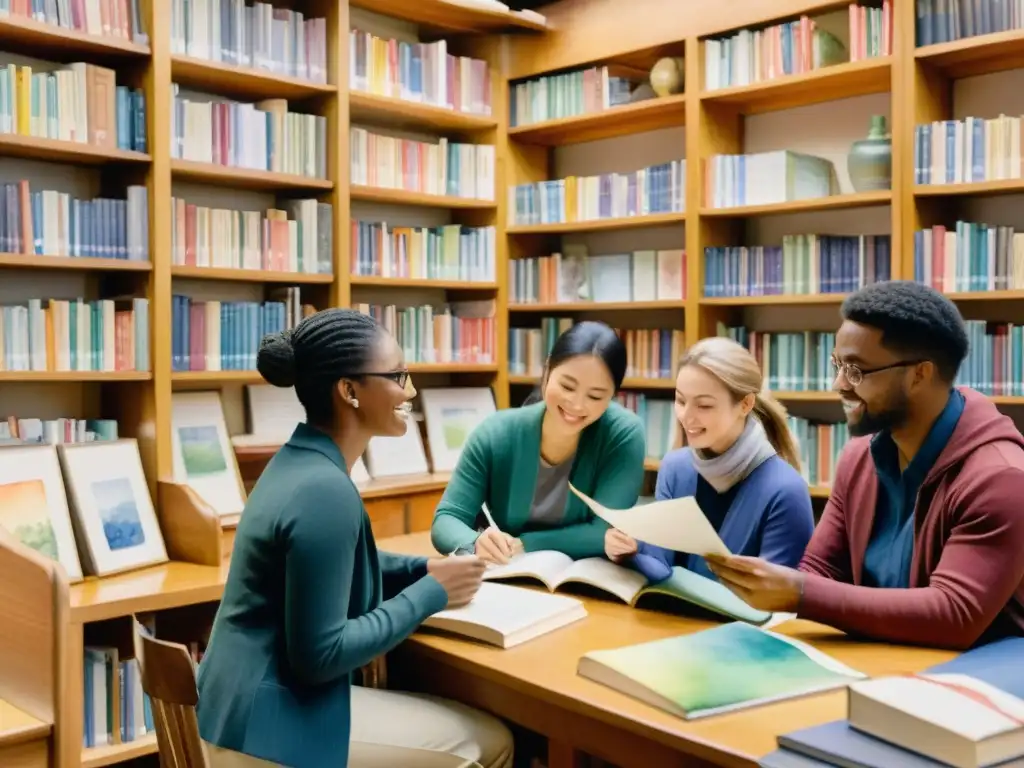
x: 838, y: 744
x: 954, y: 718
x: 734, y: 666
x: 555, y: 569
x: 506, y: 616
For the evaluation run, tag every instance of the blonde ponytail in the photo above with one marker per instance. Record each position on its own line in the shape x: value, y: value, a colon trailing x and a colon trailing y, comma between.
x: 772, y: 415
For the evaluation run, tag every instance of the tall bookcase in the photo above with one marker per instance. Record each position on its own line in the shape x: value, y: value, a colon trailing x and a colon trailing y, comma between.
x: 183, y: 594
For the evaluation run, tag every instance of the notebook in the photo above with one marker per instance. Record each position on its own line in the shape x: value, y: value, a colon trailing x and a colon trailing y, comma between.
x: 555, y: 569
x: 507, y: 616
x: 726, y: 668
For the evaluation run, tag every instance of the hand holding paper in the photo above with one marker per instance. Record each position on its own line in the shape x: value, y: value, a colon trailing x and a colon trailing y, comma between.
x: 676, y: 524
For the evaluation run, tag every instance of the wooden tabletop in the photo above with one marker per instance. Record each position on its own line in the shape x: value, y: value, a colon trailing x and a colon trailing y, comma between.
x: 17, y: 727
x: 546, y: 668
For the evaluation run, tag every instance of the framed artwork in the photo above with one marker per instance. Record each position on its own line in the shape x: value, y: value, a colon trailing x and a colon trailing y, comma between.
x: 110, y: 503
x: 33, y: 505
x: 203, y: 457
x: 452, y: 415
x: 397, y: 456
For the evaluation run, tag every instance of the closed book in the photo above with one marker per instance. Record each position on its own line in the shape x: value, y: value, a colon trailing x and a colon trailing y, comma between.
x: 839, y: 745
x: 507, y: 616
x: 957, y: 719
x: 717, y: 670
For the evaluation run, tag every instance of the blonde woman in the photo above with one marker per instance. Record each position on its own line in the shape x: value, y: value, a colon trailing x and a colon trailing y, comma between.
x: 740, y: 462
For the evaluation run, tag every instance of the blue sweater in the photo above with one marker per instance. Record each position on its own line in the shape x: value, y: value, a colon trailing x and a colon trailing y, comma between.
x: 768, y: 515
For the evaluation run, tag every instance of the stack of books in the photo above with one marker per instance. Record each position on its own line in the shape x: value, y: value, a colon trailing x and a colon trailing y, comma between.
x: 966, y: 713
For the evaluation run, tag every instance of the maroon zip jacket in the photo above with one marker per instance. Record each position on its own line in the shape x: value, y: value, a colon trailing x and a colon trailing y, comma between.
x: 967, y: 570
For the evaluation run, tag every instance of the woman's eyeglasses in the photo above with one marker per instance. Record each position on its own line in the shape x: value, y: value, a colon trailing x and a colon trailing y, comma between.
x: 399, y: 377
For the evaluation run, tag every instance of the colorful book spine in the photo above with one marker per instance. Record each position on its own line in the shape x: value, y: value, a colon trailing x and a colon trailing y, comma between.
x: 107, y: 335
x: 802, y: 265
x: 259, y: 36
x: 421, y: 72
x: 450, y: 252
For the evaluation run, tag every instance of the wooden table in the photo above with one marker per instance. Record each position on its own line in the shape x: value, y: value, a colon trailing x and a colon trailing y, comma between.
x: 24, y: 740
x: 536, y: 686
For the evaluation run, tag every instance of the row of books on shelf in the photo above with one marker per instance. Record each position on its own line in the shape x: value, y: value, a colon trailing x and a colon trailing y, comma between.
x: 969, y: 257
x: 435, y: 168
x: 803, y: 264
x: 942, y: 21
x: 260, y: 36
x: 424, y: 73
x: 299, y: 237
x: 801, y: 362
x: 650, y: 353
x: 77, y: 102
x: 458, y: 332
x: 105, y: 335
x: 750, y: 56
x: 264, y: 136
x: 226, y: 335
x: 116, y: 709
x: 569, y: 94
x: 122, y: 19
x: 575, y: 276
x: 55, y: 223
x: 56, y: 431
x: 656, y: 189
x: 448, y: 252
x: 971, y: 149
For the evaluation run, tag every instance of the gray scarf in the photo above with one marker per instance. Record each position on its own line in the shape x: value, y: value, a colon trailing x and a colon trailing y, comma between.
x: 748, y: 453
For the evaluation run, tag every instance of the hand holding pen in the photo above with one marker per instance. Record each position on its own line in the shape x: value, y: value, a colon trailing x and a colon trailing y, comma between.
x: 494, y: 545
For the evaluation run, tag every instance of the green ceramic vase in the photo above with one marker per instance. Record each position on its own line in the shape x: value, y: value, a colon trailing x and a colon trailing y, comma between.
x: 869, y: 162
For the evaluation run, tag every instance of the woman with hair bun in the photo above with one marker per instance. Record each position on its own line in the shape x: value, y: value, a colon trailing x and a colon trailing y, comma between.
x: 520, y: 461
x: 741, y: 463
x: 309, y: 599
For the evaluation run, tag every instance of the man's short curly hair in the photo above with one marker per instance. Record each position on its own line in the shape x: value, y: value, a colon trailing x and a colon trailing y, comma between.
x: 916, y: 321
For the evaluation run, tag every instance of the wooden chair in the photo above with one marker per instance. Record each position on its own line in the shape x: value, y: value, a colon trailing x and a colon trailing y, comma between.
x: 168, y: 678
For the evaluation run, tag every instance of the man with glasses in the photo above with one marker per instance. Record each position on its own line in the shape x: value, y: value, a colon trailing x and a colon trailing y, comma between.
x: 922, y: 539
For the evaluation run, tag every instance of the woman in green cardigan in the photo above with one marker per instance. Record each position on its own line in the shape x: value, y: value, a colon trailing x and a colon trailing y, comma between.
x: 309, y: 599
x: 520, y: 461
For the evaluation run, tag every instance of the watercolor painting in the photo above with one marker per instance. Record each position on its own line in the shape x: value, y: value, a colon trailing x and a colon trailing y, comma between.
x: 458, y: 423
x: 725, y: 667
x: 25, y: 513
x: 201, y: 452
x: 119, y: 513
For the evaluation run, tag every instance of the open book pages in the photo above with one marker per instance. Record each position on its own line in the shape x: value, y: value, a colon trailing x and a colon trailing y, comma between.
x: 676, y: 524
x: 555, y: 570
x: 506, y: 616
x: 717, y: 670
x: 956, y: 719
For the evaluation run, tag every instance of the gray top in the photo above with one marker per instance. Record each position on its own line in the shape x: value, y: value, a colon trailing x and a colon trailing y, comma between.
x: 551, y: 492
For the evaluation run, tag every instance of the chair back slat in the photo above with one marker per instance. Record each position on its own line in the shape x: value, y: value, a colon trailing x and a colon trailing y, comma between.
x: 169, y: 679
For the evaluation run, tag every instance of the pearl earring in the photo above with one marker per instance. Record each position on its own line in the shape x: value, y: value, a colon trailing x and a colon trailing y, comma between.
x: 355, y: 402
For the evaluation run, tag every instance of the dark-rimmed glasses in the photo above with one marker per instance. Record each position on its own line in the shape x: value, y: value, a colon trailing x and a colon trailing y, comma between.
x: 855, y: 374
x: 400, y: 378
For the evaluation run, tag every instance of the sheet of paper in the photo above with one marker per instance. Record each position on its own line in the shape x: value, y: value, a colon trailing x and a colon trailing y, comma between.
x: 676, y: 524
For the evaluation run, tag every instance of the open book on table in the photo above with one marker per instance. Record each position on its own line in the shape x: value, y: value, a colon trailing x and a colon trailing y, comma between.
x: 555, y: 569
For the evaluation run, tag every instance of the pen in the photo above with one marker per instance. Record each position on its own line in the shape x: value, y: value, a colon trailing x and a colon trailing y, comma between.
x: 490, y: 520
